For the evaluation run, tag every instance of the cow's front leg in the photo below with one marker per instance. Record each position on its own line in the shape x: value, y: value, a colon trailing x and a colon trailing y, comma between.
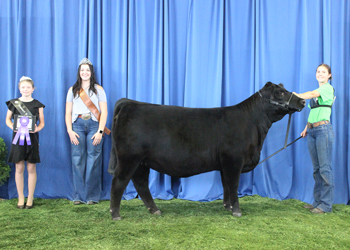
x: 226, y: 199
x: 236, y: 211
x: 233, y: 204
x: 231, y: 169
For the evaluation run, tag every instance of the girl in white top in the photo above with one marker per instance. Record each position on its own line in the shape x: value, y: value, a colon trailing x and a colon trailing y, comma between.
x: 85, y: 133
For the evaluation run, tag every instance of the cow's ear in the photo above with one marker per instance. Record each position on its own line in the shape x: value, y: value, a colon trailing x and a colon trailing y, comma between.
x: 281, y: 85
x: 268, y: 84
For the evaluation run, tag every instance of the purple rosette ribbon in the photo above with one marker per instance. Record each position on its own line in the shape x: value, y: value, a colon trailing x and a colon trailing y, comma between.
x: 22, y: 132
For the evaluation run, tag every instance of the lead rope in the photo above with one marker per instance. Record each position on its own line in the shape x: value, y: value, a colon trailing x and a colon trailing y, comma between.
x: 285, y: 141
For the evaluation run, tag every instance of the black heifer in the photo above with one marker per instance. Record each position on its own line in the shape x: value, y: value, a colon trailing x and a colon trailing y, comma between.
x: 182, y: 142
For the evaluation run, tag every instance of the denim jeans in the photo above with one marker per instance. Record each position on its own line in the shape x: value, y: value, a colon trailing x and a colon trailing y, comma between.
x: 86, y: 162
x: 320, y: 142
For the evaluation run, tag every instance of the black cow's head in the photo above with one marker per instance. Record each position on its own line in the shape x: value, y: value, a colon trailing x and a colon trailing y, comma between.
x: 280, y: 101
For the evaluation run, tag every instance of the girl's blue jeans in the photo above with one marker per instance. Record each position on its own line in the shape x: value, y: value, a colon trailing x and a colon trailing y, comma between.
x: 86, y: 162
x: 320, y: 142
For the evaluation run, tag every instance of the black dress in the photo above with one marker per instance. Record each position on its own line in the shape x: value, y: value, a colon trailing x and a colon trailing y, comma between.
x: 27, y: 153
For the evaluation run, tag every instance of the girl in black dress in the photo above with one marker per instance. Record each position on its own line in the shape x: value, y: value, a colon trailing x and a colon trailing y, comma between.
x: 30, y: 153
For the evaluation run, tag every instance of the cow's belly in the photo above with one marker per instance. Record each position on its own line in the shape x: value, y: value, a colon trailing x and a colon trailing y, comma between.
x: 181, y: 168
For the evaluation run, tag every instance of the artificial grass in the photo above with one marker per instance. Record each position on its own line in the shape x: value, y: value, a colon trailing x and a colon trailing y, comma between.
x: 265, y: 224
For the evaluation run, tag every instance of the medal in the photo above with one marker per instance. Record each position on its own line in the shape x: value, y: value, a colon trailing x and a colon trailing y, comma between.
x: 22, y: 132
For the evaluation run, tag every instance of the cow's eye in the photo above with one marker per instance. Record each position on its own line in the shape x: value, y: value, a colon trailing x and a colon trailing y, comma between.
x: 280, y: 94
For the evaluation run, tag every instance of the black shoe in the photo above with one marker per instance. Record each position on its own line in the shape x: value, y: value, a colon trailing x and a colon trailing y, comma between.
x: 30, y: 207
x: 21, y: 206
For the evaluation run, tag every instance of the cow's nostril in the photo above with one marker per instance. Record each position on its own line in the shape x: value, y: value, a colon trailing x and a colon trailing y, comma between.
x: 303, y: 102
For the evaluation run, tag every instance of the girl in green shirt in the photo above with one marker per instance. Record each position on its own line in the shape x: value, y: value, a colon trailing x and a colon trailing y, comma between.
x: 320, y: 140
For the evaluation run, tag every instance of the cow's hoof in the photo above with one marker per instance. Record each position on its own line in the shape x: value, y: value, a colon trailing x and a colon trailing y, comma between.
x: 158, y: 212
x: 227, y: 207
x: 117, y: 218
x: 237, y: 214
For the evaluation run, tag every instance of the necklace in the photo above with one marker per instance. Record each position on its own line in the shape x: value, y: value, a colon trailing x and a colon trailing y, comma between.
x: 86, y: 88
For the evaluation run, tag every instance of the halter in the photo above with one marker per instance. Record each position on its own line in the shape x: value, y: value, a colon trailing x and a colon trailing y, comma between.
x: 286, y: 105
x: 287, y: 133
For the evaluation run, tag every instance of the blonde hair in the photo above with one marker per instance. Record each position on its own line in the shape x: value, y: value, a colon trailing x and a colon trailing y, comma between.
x: 26, y: 79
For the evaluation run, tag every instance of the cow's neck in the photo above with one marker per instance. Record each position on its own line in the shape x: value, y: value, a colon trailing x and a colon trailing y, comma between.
x: 254, y: 108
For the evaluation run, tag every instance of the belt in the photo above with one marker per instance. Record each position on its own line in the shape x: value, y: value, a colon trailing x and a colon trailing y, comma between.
x: 316, y: 124
x: 85, y: 116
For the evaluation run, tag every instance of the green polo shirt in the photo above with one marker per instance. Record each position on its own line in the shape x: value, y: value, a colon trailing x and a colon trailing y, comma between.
x: 326, y: 98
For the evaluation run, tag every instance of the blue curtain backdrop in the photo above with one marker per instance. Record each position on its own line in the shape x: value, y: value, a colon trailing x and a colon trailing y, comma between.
x: 191, y: 53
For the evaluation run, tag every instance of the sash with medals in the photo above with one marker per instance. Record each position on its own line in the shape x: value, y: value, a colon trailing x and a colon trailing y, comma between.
x: 23, y: 123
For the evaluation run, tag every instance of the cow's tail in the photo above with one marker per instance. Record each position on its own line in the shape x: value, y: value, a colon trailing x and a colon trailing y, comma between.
x: 118, y: 105
x: 113, y: 156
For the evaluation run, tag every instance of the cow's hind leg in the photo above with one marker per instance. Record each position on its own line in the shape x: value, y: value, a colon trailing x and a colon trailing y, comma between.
x: 140, y: 180
x: 121, y: 178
